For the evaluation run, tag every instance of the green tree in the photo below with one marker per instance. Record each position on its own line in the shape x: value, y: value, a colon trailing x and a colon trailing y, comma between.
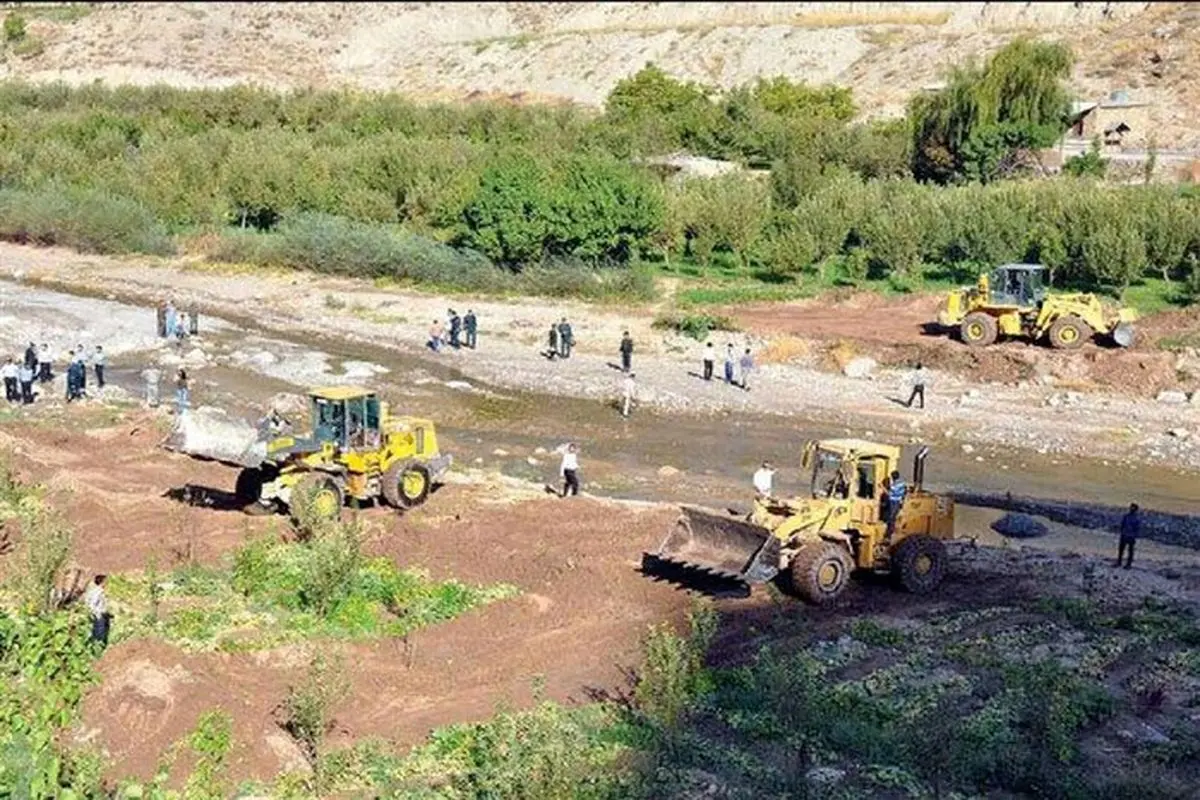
x: 1087, y: 165
x: 506, y: 220
x: 1017, y: 100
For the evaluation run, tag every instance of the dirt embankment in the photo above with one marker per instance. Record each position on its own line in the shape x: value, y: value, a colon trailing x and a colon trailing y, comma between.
x: 576, y: 52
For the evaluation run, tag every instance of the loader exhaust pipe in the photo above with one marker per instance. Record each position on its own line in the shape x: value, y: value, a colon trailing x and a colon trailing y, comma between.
x: 919, y: 467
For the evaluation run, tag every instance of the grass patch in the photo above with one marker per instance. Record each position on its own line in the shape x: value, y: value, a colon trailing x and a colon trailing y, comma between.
x: 87, y: 220
x: 53, y: 12
x: 276, y: 592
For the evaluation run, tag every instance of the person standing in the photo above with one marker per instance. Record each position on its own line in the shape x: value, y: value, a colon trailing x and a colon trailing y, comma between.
x: 470, y: 325
x: 151, y: 377
x: 98, y: 362
x: 160, y: 312
x: 25, y: 376
x: 193, y: 320
x: 74, y: 390
x: 44, y: 363
x: 1131, y: 529
x: 81, y: 374
x: 455, y: 328
x: 169, y: 320
x: 730, y: 359
x: 569, y: 469
x: 436, y: 331
x: 918, y: 381
x: 566, y: 338
x: 12, y: 380
x: 747, y: 366
x: 626, y: 351
x: 764, y: 478
x: 97, y: 605
x: 182, y: 390
x: 552, y: 338
x: 627, y: 394
x: 31, y: 356
x: 897, y: 491
x: 710, y: 357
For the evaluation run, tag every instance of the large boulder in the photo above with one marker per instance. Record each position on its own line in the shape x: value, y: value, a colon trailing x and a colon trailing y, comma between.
x: 1019, y: 526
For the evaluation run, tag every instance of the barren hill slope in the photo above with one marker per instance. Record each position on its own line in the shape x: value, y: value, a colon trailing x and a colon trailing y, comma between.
x: 577, y: 51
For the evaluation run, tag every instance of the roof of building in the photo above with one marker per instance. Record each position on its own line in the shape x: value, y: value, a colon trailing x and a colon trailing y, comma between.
x: 1080, y: 107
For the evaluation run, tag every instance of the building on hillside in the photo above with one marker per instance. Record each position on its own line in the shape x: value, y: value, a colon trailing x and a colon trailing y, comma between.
x: 1117, y: 120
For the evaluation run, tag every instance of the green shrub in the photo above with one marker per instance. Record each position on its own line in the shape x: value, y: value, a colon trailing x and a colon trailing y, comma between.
x: 312, y: 701
x: 697, y: 326
x: 673, y: 676
x: 14, y: 27
x: 87, y: 220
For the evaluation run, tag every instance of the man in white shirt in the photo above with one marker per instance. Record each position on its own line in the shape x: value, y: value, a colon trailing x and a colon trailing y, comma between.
x: 45, y: 374
x: 918, y: 381
x: 763, y: 479
x: 25, y: 377
x: 98, y: 362
x: 569, y: 469
x: 10, y: 372
x: 97, y: 605
x: 627, y: 399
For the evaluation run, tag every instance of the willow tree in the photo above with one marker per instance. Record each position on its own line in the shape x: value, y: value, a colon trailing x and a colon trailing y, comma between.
x: 973, y: 126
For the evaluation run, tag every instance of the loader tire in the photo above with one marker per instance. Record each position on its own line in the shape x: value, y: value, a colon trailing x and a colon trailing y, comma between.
x: 406, y: 485
x: 978, y: 330
x: 919, y: 564
x: 1069, y: 333
x: 820, y: 571
x: 323, y: 492
x: 249, y: 485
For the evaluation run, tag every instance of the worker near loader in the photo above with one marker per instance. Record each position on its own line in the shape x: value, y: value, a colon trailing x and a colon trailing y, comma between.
x: 764, y: 478
x: 1131, y: 529
x: 626, y: 350
x: 918, y: 381
x: 471, y: 325
x: 25, y: 377
x: 569, y: 469
x: 897, y: 491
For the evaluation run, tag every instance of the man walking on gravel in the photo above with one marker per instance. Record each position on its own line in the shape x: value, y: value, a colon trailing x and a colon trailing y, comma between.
x: 470, y: 325
x: 710, y: 358
x: 747, y: 366
x: 1131, y: 529
x: 627, y: 394
x: 552, y: 340
x: 918, y: 381
x: 730, y: 359
x: 626, y: 351
x: 569, y: 469
x: 455, y: 328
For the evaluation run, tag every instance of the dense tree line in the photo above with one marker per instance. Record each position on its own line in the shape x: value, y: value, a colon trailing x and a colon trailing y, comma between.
x: 558, y: 188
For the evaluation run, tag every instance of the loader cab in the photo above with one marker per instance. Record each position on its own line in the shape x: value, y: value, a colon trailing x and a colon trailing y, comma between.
x: 1017, y: 285
x: 851, y: 469
x: 347, y: 417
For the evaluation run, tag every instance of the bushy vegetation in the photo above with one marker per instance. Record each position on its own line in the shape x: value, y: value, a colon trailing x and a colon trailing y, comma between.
x: 562, y: 201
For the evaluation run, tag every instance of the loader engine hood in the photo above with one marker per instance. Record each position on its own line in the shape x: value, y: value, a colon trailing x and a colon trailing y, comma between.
x: 286, y: 448
x: 786, y: 518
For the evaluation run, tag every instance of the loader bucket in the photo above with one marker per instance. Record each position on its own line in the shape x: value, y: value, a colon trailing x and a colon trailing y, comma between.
x: 210, y: 435
x: 720, y: 546
x: 1123, y: 334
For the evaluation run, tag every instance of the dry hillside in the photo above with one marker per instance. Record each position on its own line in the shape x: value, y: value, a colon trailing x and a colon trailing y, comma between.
x: 577, y: 51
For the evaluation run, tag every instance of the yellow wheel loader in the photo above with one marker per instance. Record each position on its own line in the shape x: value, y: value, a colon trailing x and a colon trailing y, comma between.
x: 355, y: 450
x: 1012, y: 301
x: 819, y: 540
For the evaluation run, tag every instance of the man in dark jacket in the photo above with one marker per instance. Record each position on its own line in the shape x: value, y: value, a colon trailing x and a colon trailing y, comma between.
x: 31, y: 360
x: 470, y: 326
x: 566, y: 338
x: 455, y: 328
x: 553, y: 340
x: 626, y: 352
x: 1131, y: 529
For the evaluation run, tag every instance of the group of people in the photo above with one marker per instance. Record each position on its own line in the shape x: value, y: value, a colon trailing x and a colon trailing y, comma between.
x: 176, y: 324
x: 561, y: 339
x: 463, y: 330
x: 37, y: 365
x: 737, y: 370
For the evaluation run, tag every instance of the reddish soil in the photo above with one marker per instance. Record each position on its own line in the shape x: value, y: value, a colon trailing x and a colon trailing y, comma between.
x: 578, y: 623
x: 893, y: 331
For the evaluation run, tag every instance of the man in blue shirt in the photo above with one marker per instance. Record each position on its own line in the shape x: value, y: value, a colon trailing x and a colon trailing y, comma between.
x: 1131, y: 529
x: 897, y: 490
